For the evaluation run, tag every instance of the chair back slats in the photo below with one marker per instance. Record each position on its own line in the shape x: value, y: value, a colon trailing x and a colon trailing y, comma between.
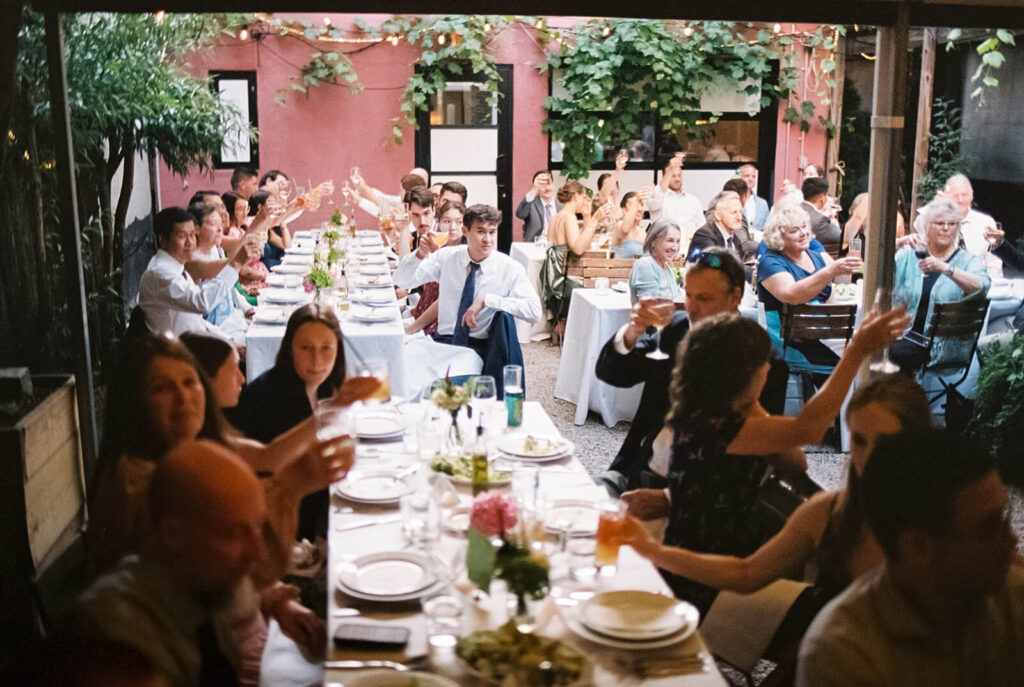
x: 963, y: 320
x: 594, y: 264
x: 817, y: 322
x: 958, y: 320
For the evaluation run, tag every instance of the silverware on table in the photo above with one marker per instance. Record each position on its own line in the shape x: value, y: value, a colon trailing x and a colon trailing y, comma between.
x: 366, y: 523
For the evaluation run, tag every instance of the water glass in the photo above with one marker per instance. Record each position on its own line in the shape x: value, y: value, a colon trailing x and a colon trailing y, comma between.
x: 525, y: 483
x: 883, y: 302
x: 335, y: 424
x: 611, y: 519
x: 482, y: 398
x: 444, y: 620
x: 581, y: 546
x: 602, y: 284
x: 421, y: 522
x: 513, y: 388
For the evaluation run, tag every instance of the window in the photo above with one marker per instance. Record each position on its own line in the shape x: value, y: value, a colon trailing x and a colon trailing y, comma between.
x: 238, y: 89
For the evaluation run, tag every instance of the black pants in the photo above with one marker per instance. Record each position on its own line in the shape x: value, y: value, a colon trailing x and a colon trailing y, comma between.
x: 478, y: 345
x: 909, y: 355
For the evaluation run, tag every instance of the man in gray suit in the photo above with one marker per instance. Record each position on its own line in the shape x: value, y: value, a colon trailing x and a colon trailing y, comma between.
x: 539, y: 206
x: 816, y: 204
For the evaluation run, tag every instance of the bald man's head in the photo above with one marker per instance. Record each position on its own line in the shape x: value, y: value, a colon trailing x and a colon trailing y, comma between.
x: 208, y: 512
x: 420, y: 172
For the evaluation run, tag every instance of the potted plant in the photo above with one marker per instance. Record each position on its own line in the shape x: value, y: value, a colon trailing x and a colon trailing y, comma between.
x: 998, y: 421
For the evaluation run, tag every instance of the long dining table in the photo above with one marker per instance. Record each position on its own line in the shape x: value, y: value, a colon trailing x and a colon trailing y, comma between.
x: 357, y: 530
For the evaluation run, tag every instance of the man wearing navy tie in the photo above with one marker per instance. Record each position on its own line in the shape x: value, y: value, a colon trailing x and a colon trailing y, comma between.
x: 475, y: 281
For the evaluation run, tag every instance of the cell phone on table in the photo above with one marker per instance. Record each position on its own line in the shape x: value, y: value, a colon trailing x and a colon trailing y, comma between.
x: 370, y: 637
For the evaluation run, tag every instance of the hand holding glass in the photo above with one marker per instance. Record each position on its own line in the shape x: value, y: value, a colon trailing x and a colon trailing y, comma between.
x: 883, y: 302
x: 656, y: 304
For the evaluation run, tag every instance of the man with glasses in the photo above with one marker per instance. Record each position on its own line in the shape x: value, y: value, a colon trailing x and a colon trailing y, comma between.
x: 947, y: 606
x: 714, y: 284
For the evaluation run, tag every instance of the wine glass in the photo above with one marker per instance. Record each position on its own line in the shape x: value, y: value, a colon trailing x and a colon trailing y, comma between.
x: 656, y: 301
x: 993, y: 239
x: 483, y: 397
x: 883, y: 302
x: 284, y: 190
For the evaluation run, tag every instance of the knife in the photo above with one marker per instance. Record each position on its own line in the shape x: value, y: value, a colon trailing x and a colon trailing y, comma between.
x: 366, y: 523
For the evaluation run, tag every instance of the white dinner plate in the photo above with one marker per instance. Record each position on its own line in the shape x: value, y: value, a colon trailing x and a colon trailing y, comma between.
x: 372, y: 281
x: 301, y: 249
x: 621, y: 286
x: 373, y: 297
x: 368, y: 313
x: 393, y: 678
x: 374, y: 259
x: 387, y: 574
x: 289, y: 281
x: 295, y: 259
x: 365, y: 250
x: 370, y: 270
x: 285, y: 268
x: 285, y: 295
x: 580, y: 629
x: 380, y: 424
x: 373, y: 487
x: 582, y: 515
x: 545, y: 447
x: 636, y: 615
x: 456, y: 520
x: 272, y: 314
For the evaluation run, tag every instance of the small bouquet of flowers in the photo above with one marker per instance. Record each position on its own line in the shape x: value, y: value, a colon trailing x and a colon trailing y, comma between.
x: 318, y: 278
x: 500, y: 545
x: 448, y: 396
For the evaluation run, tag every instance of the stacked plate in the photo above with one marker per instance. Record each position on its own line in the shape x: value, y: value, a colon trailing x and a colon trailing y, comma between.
x: 272, y: 314
x: 297, y: 259
x: 285, y: 268
x: 301, y: 249
x: 581, y: 515
x: 534, y: 448
x: 373, y: 487
x: 273, y: 295
x: 372, y: 313
x: 374, y: 259
x: 380, y: 424
x: 389, y: 576
x: 373, y: 297
x: 634, y: 620
x: 372, y: 281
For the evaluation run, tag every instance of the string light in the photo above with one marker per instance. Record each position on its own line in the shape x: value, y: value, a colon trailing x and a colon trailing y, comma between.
x: 159, y: 17
x: 688, y: 31
x: 243, y: 35
x: 539, y: 24
x: 441, y: 39
x: 607, y: 31
x: 487, y: 27
x: 327, y: 21
x: 777, y: 28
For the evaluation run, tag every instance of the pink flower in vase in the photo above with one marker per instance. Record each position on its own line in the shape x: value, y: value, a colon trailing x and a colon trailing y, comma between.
x: 493, y: 514
x: 308, y: 285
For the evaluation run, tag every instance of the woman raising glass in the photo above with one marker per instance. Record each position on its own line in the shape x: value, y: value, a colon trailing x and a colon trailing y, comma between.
x: 449, y: 226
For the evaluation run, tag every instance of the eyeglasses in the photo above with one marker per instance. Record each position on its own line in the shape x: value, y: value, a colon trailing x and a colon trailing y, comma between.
x: 697, y: 256
x: 946, y: 225
x: 796, y: 229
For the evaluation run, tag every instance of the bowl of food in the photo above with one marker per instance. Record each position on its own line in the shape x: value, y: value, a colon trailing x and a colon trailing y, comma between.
x: 511, y: 658
x: 459, y: 470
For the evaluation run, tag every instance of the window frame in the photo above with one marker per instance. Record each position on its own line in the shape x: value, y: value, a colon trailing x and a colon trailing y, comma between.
x: 216, y: 76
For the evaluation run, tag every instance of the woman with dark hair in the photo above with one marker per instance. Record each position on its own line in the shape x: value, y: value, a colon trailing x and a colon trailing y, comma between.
x: 219, y: 361
x: 827, y: 534
x: 279, y: 239
x: 253, y: 276
x: 627, y: 235
x: 724, y: 440
x: 310, y: 367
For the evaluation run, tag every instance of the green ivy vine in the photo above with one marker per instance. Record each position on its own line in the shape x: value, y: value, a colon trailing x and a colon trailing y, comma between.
x: 992, y: 58
x: 623, y: 74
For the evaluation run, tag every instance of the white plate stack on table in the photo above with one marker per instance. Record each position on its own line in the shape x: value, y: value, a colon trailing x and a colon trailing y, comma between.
x: 634, y: 620
x: 374, y: 487
x: 533, y: 449
x: 390, y: 577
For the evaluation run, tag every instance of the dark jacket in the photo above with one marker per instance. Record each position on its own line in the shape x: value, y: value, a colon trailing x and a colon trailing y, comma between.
x: 532, y: 214
x: 709, y: 235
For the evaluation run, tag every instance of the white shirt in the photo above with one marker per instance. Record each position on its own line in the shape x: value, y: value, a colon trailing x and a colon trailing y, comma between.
x: 501, y: 281
x: 388, y: 201
x: 681, y: 207
x: 235, y: 325
x: 173, y: 303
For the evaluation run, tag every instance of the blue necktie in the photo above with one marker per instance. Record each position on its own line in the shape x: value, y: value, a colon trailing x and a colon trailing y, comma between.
x: 461, y: 335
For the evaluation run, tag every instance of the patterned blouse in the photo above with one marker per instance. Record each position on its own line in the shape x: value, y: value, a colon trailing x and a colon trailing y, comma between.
x: 712, y: 498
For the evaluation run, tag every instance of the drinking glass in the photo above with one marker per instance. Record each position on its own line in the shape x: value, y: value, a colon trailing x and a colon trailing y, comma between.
x: 513, y: 389
x: 335, y: 424
x: 581, y: 548
x: 883, y: 302
x: 656, y: 353
x: 992, y: 240
x: 610, y: 520
x: 856, y: 246
x: 482, y: 398
x: 444, y: 620
x: 284, y: 189
x: 525, y: 484
x: 377, y: 368
x: 421, y: 521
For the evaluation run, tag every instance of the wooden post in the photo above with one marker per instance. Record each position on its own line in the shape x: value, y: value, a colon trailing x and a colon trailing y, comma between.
x: 836, y: 117
x: 924, y: 117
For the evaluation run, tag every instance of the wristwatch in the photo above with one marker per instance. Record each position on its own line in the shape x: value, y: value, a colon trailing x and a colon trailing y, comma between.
x: 949, y: 271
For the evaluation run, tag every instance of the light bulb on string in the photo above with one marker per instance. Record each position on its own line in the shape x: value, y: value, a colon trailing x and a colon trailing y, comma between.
x: 159, y: 17
x: 607, y: 31
x: 487, y: 27
x: 777, y: 28
x: 327, y: 21
x: 539, y: 24
x: 688, y: 31
x: 243, y: 35
x: 441, y: 38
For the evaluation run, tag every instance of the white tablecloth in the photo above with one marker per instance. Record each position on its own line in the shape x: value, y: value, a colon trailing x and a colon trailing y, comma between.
x: 531, y: 257
x: 594, y: 317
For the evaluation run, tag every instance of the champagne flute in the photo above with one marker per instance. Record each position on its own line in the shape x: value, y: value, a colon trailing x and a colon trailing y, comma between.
x: 284, y: 190
x: 994, y: 238
x: 657, y: 302
x: 883, y: 302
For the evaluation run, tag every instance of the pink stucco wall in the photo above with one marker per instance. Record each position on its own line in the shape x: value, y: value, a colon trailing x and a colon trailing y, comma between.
x: 323, y: 135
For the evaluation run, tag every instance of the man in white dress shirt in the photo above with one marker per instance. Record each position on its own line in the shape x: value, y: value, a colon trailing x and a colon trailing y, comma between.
x: 671, y: 201
x: 474, y: 281
x: 168, y: 296
x: 958, y: 189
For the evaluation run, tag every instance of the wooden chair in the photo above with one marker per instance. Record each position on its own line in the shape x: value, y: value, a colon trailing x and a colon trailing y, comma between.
x: 812, y: 322
x: 594, y: 264
x: 956, y: 321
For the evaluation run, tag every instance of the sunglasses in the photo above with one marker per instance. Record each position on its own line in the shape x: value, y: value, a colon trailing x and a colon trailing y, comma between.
x: 699, y: 257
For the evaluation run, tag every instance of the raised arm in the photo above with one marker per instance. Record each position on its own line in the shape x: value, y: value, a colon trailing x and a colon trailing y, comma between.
x: 766, y: 434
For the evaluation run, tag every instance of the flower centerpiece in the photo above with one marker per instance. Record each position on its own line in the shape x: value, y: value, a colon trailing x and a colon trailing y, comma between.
x: 318, y: 278
x: 451, y: 397
x: 501, y: 545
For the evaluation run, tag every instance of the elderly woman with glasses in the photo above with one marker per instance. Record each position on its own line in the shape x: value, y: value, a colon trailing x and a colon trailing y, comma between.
x: 792, y: 272
x: 652, y: 274
x: 939, y: 271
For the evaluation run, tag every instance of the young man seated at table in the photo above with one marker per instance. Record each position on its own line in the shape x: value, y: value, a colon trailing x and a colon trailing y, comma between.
x: 947, y: 606
x: 714, y: 284
x: 169, y: 296
x: 475, y: 281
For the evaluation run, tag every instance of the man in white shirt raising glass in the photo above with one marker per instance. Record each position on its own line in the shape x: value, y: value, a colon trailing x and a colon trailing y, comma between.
x: 671, y: 201
x: 475, y: 281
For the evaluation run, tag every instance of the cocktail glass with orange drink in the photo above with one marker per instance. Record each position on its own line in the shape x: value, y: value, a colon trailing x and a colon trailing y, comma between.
x: 378, y: 369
